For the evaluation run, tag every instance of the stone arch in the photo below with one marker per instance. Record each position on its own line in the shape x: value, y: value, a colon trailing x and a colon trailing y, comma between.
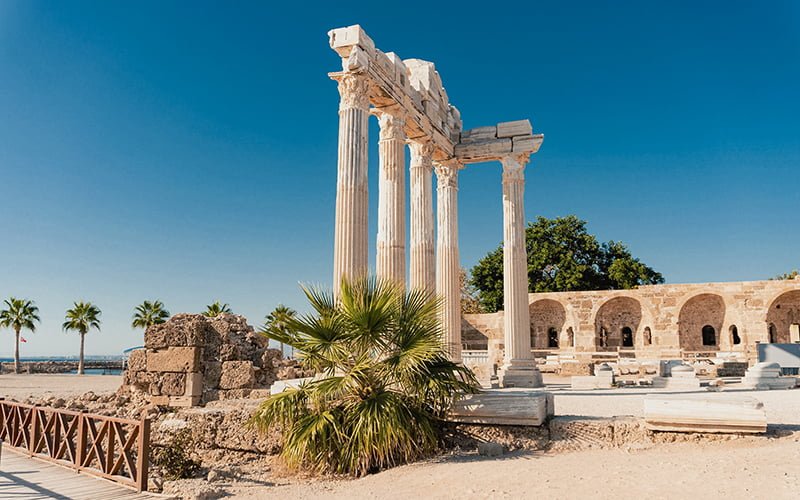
x: 782, y: 316
x: 546, y: 314
x: 614, y: 316
x: 703, y: 311
x: 734, y: 334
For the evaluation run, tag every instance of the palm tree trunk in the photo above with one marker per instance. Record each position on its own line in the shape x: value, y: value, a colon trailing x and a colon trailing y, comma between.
x: 16, y: 351
x: 80, y: 359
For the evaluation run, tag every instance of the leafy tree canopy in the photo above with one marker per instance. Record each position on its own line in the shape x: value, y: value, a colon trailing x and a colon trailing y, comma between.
x: 149, y: 313
x: 563, y: 256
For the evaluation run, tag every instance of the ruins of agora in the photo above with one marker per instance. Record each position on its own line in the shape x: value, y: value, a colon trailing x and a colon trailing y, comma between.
x: 690, y: 359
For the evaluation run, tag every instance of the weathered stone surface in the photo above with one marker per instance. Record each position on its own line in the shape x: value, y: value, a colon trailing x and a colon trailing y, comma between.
x: 237, y: 375
x: 137, y: 360
x: 704, y: 413
x: 174, y: 359
x: 504, y: 407
x: 515, y: 128
x: 194, y: 384
x: 168, y: 384
x: 182, y: 330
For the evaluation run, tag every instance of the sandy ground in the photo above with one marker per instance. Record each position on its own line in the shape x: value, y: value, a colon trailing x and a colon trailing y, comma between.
x: 768, y: 468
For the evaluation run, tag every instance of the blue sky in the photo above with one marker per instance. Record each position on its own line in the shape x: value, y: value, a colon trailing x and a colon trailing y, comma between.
x: 187, y: 151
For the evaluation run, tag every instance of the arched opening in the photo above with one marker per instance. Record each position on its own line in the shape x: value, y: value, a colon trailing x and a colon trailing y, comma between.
x: 552, y: 338
x: 546, y: 315
x: 699, y: 320
x: 783, y: 313
x: 648, y: 336
x: 616, y: 323
x: 735, y: 339
x: 709, y: 335
x: 627, y: 337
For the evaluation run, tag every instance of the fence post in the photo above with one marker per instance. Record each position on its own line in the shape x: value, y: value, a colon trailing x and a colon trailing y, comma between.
x: 143, y: 457
x: 81, y: 451
x: 34, y: 431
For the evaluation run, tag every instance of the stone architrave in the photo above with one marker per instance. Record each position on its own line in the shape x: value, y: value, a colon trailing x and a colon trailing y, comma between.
x: 448, y: 267
x: 350, y: 252
x: 519, y: 368
x: 390, y: 262
x: 423, y: 251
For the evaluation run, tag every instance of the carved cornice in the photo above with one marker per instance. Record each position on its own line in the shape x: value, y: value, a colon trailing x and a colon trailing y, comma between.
x: 447, y: 173
x: 354, y: 92
x: 514, y: 168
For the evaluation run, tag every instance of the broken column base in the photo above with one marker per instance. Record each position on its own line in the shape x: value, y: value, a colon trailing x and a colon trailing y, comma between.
x: 520, y: 373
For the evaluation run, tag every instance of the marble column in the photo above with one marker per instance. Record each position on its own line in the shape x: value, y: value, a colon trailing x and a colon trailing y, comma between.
x: 448, y: 267
x: 350, y: 249
x: 423, y: 253
x: 390, y: 263
x: 519, y: 368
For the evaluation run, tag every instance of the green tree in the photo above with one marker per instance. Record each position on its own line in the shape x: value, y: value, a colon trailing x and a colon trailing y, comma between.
x: 215, y: 309
x: 385, y: 379
x: 563, y: 256
x: 278, y: 320
x: 82, y: 317
x: 149, y: 313
x: 787, y: 276
x: 19, y: 314
x: 469, y: 295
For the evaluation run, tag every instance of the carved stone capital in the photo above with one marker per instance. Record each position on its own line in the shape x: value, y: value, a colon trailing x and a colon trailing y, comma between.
x: 421, y: 154
x: 392, y: 124
x: 354, y: 92
x: 447, y: 173
x: 514, y: 168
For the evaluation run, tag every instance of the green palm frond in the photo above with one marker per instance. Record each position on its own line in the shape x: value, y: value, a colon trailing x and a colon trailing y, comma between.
x: 217, y: 308
x: 149, y: 313
x: 19, y: 314
x: 82, y: 317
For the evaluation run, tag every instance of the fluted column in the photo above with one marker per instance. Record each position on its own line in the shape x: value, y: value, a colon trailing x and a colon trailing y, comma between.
x: 350, y: 249
x: 423, y: 253
x: 519, y: 368
x: 448, y: 266
x: 390, y: 262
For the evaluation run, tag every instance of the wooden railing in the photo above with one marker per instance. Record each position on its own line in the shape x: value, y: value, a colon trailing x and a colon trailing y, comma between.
x: 113, y: 448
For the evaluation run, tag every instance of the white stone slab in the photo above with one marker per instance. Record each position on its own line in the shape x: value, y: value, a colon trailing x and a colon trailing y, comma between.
x: 680, y: 383
x: 343, y: 39
x: 511, y: 129
x: 478, y: 134
x: 715, y: 413
x: 591, y: 382
x: 504, y: 407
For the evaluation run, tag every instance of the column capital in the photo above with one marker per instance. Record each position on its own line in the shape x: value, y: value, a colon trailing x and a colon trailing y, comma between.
x: 422, y: 149
x: 392, y: 123
x: 514, y: 168
x: 447, y: 172
x: 353, y: 91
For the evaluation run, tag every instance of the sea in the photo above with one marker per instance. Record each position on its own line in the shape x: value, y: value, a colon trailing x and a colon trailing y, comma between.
x: 88, y: 371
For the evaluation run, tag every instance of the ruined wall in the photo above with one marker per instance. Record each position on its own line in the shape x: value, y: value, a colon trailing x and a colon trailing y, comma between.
x: 192, y: 359
x: 664, y: 319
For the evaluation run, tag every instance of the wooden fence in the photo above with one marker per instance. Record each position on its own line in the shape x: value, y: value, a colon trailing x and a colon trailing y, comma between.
x: 112, y: 448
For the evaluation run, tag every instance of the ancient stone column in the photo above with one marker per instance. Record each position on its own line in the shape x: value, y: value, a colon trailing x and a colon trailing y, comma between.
x: 448, y: 266
x: 519, y: 368
x: 390, y: 262
x: 423, y: 253
x: 350, y: 248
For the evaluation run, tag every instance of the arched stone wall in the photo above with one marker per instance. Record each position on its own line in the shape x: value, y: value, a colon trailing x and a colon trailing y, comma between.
x: 783, y: 313
x: 698, y: 312
x: 546, y: 314
x: 612, y: 317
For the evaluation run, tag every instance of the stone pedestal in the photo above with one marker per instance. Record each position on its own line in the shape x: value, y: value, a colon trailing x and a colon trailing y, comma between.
x: 765, y: 376
x: 390, y: 262
x: 681, y: 377
x: 350, y: 248
x: 448, y: 267
x: 603, y: 378
x: 519, y: 368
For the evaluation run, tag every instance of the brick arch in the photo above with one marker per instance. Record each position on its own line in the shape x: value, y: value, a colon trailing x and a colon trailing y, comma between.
x: 615, y: 315
x: 696, y: 315
x: 783, y: 312
x: 546, y: 314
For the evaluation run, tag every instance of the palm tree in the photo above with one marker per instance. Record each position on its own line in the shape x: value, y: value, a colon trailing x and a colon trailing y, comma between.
x: 384, y: 379
x: 81, y: 318
x: 215, y: 309
x: 19, y: 314
x: 149, y: 313
x: 278, y: 319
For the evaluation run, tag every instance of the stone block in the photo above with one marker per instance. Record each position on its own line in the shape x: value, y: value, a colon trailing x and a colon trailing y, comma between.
x: 137, y: 360
x: 765, y: 376
x: 237, y: 375
x: 343, y: 39
x: 478, y: 134
x: 714, y: 413
x: 194, y: 384
x: 159, y: 400
x: 527, y: 144
x: 504, y: 407
x: 483, y: 149
x: 174, y: 359
x: 515, y: 128
x: 168, y: 384
x: 211, y: 374
x: 184, y: 401
x: 182, y: 330
x: 676, y: 383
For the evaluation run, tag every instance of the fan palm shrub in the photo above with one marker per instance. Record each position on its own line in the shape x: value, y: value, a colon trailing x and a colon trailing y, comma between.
x: 82, y: 317
x: 19, y: 314
x: 278, y: 319
x: 149, y: 313
x: 215, y: 309
x: 384, y: 380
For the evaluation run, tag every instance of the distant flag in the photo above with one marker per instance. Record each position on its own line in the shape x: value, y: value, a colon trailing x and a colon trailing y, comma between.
x: 22, y: 339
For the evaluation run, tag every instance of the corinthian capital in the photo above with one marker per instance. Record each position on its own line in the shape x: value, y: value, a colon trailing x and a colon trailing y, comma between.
x: 421, y: 154
x: 514, y: 168
x: 354, y: 92
x: 392, y: 123
x: 447, y: 173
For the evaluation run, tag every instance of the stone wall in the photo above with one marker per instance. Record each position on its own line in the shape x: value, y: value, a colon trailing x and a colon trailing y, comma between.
x: 663, y: 319
x: 192, y: 359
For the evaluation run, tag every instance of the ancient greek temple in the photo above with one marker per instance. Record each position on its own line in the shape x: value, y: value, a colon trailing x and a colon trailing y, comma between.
x: 412, y: 108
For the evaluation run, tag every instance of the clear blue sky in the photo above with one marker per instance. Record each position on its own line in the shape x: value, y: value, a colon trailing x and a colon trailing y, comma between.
x: 187, y: 151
